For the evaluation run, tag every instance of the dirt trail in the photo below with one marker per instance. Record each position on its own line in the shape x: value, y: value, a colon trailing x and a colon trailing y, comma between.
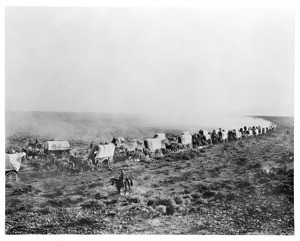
x: 241, y: 187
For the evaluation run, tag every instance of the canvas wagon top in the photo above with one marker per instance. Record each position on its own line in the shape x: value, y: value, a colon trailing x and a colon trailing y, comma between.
x: 58, y: 145
x: 13, y: 161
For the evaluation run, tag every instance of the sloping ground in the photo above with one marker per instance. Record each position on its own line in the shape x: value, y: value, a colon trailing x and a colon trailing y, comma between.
x: 245, y: 187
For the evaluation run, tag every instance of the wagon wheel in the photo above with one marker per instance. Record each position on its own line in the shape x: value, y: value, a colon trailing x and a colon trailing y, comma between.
x: 11, y: 177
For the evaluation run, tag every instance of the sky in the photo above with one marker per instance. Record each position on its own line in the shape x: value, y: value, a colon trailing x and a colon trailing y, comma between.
x: 150, y: 60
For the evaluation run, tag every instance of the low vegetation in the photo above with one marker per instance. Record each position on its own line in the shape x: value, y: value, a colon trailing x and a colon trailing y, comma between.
x: 244, y: 187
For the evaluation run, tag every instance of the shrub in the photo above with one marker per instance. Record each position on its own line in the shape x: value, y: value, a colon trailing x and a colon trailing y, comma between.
x: 168, y: 159
x: 185, y: 157
x: 254, y: 166
x: 135, y: 199
x: 208, y: 194
x: 263, y: 180
x: 186, y: 191
x: 150, y: 202
x: 243, y: 184
x: 100, y: 196
x: 242, y: 161
x: 186, y: 196
x: 169, y: 203
x: 219, y: 196
x: 230, y: 196
x: 164, y: 201
x: 282, y: 189
x: 36, y: 164
x: 201, y: 201
x: 178, y: 199
x: 161, y: 209
x: 187, y: 201
x: 45, y: 210
x: 201, y: 188
x: 195, y: 195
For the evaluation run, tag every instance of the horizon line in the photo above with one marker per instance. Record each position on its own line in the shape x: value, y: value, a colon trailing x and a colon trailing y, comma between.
x: 141, y: 113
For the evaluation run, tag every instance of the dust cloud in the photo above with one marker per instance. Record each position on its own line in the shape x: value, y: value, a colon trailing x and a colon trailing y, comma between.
x: 99, y: 126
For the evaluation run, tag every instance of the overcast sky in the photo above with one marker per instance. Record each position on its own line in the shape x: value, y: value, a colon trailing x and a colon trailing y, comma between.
x: 150, y: 60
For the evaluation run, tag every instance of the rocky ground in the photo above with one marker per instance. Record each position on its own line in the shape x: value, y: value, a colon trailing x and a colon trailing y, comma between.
x: 243, y: 187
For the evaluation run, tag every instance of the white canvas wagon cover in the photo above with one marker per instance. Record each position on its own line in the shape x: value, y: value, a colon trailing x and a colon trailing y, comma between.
x: 13, y: 161
x: 120, y: 140
x: 58, y: 145
x: 161, y: 136
x: 206, y: 134
x: 186, y: 139
x: 131, y: 146
x: 225, y: 134
x: 238, y: 134
x: 153, y: 144
x: 105, y: 151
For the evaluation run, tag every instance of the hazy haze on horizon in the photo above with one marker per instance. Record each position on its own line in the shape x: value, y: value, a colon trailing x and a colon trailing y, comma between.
x: 150, y: 60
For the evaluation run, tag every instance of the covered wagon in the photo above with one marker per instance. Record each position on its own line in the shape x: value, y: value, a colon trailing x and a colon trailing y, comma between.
x: 104, y: 153
x: 133, y: 145
x: 12, y: 165
x: 239, y: 134
x: 185, y: 139
x: 163, y: 138
x: 225, y: 135
x: 153, y: 144
x: 57, y: 148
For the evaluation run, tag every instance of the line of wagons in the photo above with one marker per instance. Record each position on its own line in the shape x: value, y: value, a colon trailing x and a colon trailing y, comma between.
x: 159, y: 143
x: 186, y: 140
x: 13, y: 160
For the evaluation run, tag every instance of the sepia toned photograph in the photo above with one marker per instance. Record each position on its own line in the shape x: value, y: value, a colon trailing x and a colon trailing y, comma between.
x: 136, y: 120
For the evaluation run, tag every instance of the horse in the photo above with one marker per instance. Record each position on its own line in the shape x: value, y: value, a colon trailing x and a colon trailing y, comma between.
x: 122, y: 182
x: 77, y: 161
x: 196, y: 140
x: 92, y: 152
x: 33, y: 153
x: 118, y: 141
x: 10, y: 150
x: 232, y: 135
x: 32, y: 144
x: 214, y: 137
x: 172, y: 146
